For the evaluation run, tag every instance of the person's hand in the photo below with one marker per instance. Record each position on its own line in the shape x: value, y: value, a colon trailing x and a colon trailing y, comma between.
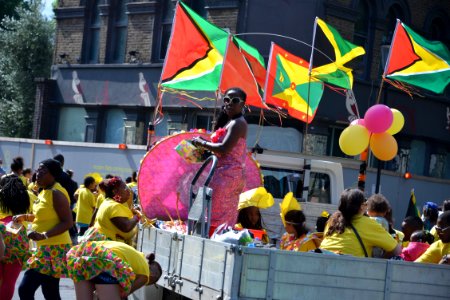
x: 36, y: 236
x: 198, y: 141
x: 19, y: 218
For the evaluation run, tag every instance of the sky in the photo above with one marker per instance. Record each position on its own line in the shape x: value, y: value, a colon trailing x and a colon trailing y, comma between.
x: 48, y: 11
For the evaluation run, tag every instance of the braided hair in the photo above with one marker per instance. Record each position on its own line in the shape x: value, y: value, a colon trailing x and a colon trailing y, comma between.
x: 14, y: 198
x: 109, y: 185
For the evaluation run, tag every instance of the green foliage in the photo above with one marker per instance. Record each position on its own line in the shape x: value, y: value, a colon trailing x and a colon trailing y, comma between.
x: 26, y: 49
x: 8, y: 8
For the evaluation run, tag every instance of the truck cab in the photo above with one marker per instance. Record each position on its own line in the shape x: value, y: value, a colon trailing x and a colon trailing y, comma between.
x: 316, y: 183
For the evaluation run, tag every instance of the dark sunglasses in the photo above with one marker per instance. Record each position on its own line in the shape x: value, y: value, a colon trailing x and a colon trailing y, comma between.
x: 439, y: 229
x: 228, y: 100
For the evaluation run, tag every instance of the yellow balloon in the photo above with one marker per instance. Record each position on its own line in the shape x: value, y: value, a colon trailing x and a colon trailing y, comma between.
x: 354, y: 140
x: 397, y: 122
x: 383, y: 146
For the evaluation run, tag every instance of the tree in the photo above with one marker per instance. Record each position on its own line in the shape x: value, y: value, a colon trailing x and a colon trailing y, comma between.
x: 26, y: 49
x: 8, y: 8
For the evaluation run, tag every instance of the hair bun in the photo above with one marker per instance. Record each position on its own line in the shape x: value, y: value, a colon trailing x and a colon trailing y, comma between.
x: 151, y: 257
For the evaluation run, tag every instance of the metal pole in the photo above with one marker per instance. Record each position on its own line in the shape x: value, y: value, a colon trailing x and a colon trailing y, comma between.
x: 377, y: 185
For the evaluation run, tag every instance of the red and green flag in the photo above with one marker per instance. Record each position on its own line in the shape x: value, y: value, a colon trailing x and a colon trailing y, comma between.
x: 244, y: 70
x: 336, y: 73
x: 290, y: 87
x: 417, y: 61
x: 196, y: 52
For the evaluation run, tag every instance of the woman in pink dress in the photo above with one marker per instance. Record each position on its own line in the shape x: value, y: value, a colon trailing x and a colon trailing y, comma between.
x: 228, y: 143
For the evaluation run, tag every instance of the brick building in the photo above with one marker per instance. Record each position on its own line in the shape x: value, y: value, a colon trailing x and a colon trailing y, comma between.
x: 109, y: 54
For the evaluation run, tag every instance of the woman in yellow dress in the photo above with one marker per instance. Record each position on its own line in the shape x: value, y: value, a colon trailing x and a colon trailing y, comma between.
x: 115, y: 220
x: 113, y: 269
x: 51, y: 220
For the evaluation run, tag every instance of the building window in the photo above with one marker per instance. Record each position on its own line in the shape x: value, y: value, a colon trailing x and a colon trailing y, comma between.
x: 114, y: 129
x: 92, y: 40
x: 72, y: 124
x: 204, y: 121
x: 119, y: 25
x: 167, y: 12
x: 361, y: 64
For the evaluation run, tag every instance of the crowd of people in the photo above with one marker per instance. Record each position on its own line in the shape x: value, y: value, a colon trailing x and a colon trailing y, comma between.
x: 38, y: 234
x: 53, y: 228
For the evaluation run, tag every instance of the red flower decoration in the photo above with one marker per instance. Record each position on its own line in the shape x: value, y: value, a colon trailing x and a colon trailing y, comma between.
x: 218, y: 135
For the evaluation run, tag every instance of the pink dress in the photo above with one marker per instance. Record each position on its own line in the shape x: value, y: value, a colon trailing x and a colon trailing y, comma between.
x: 227, y: 183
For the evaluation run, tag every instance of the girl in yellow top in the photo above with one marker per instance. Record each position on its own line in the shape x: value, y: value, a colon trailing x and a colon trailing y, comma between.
x: 112, y: 268
x: 340, y: 236
x: 14, y: 199
x: 114, y: 221
x: 86, y: 204
x: 51, y: 220
x: 249, y: 216
x: 297, y: 236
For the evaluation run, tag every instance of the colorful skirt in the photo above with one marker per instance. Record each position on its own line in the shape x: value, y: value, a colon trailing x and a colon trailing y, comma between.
x: 16, y: 246
x: 50, y: 260
x: 92, y: 235
x: 87, y: 260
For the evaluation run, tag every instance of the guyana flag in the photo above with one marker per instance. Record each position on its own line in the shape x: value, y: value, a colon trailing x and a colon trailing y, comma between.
x: 336, y: 73
x: 196, y: 50
x: 195, y: 53
x: 412, y: 207
x: 289, y: 86
x: 244, y: 70
x: 417, y: 61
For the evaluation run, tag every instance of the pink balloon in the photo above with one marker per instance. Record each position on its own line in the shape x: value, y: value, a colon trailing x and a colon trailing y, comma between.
x: 358, y: 122
x: 378, y: 118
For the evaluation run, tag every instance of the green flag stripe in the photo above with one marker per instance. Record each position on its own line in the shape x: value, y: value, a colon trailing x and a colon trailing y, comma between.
x: 217, y: 36
x: 338, y: 78
x: 434, y: 81
x: 344, y: 46
x: 436, y: 47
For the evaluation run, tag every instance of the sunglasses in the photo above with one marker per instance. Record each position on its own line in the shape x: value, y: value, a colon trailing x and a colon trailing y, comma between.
x: 441, y: 229
x: 228, y: 100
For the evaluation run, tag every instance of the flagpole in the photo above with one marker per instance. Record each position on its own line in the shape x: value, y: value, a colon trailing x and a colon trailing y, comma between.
x: 267, y: 73
x: 218, y: 91
x: 309, y: 84
x: 387, y: 62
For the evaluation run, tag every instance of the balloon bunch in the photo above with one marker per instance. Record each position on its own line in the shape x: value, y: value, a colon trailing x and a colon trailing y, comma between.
x: 376, y: 129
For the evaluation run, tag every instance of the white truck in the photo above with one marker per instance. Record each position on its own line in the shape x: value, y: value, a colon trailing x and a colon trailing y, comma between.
x: 198, y: 268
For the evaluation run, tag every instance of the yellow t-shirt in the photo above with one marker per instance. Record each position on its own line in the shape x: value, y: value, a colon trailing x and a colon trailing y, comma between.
x: 136, y: 259
x: 45, y: 217
x: 434, y: 233
x: 100, y: 199
x: 108, y: 210
x: 371, y: 233
x: 85, y: 206
x: 434, y: 253
x: 132, y: 184
x: 24, y: 180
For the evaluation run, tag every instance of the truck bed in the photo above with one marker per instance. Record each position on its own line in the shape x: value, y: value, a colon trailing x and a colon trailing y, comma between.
x: 198, y: 268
